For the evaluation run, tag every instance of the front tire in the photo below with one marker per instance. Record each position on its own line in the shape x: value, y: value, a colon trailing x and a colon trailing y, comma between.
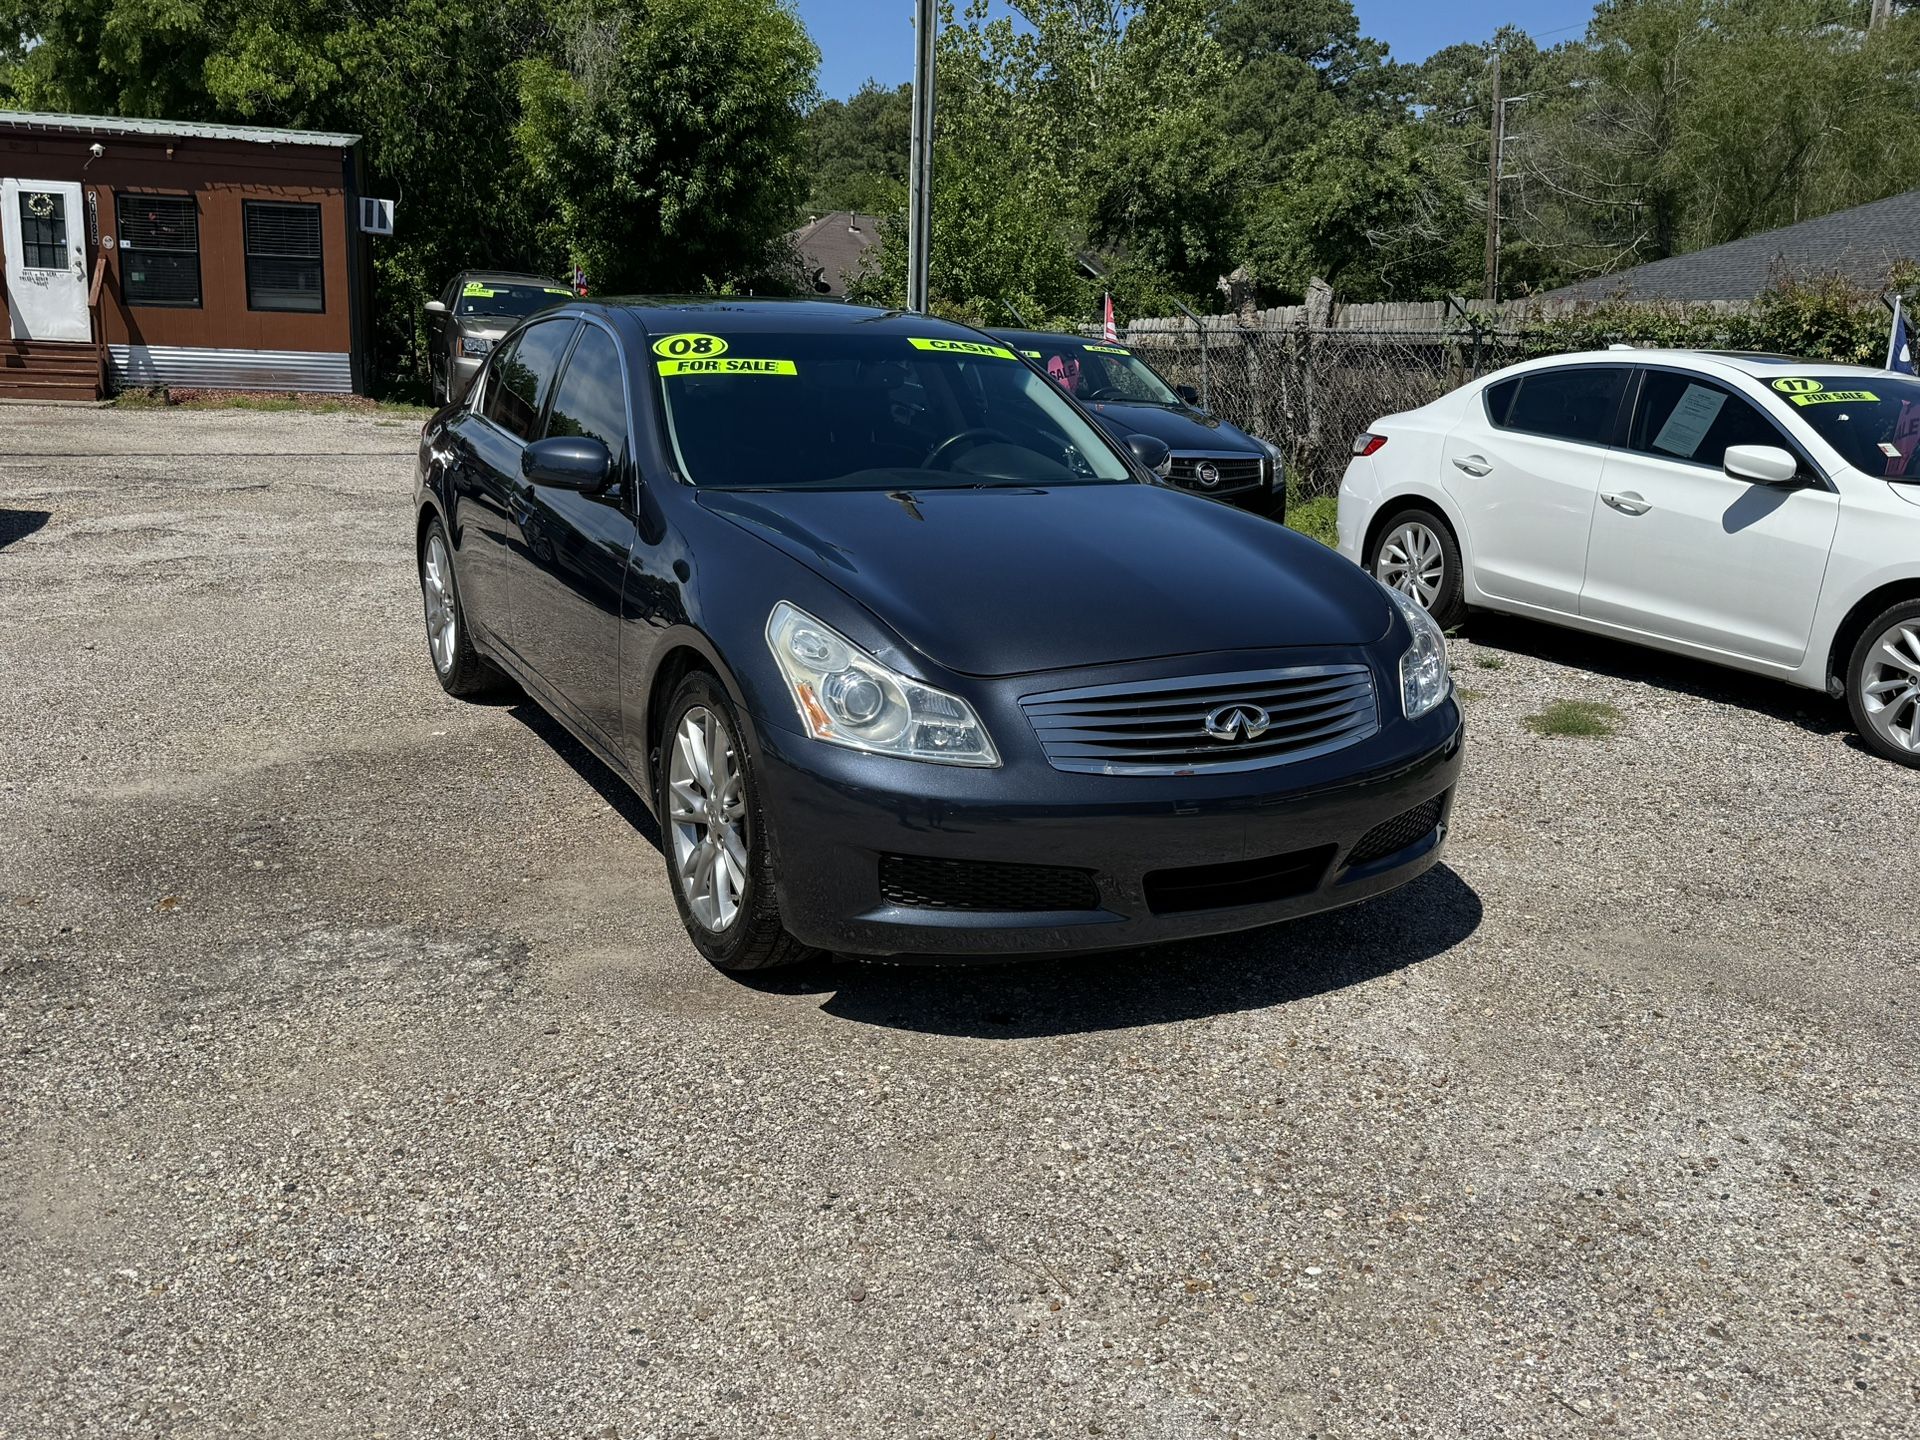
x: 1416, y: 554
x: 1883, y: 684
x: 718, y: 861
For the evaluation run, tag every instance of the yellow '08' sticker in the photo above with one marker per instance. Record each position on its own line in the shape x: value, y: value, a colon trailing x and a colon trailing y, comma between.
x: 961, y: 347
x: 1793, y: 385
x: 689, y: 346
x: 1834, y: 396
x: 728, y: 366
x: 1107, y: 349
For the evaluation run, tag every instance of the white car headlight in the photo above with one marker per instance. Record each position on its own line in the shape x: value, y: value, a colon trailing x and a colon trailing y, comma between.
x: 847, y: 697
x: 1424, y: 678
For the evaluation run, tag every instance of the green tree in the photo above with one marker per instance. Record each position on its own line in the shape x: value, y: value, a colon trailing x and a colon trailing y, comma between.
x: 668, y: 134
x: 857, y: 151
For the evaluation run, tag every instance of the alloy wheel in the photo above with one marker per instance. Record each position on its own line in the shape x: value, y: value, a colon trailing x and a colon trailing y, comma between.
x: 707, y: 811
x: 1413, y: 562
x: 443, y: 615
x: 1890, y: 685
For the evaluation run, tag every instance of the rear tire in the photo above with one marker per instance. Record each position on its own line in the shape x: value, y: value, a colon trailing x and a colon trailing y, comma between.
x: 462, y: 671
x: 719, y: 864
x: 1883, y: 684
x: 1416, y: 554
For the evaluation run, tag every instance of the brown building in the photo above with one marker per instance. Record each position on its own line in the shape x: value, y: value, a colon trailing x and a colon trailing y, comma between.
x: 147, y: 252
x: 831, y: 248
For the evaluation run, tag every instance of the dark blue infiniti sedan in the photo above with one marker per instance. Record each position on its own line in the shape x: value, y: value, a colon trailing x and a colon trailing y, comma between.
x: 905, y: 653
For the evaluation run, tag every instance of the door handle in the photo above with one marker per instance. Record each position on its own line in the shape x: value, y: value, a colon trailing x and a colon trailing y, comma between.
x: 1474, y: 465
x: 1627, y: 503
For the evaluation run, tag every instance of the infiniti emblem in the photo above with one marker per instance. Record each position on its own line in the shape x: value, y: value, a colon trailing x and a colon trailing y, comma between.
x: 1207, y: 473
x: 1238, y: 722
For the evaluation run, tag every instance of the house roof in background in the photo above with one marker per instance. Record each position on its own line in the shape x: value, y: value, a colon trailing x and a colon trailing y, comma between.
x: 833, y: 245
x: 1862, y: 243
x: 170, y: 129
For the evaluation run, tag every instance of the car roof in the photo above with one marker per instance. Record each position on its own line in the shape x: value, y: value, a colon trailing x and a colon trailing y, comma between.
x: 1047, y: 337
x: 1745, y: 362
x: 506, y: 275
x: 746, y: 315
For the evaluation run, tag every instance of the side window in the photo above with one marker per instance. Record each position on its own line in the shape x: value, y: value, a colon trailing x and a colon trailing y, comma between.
x: 1579, y: 403
x: 1499, y: 400
x: 592, y: 398
x: 521, y: 373
x: 1685, y: 417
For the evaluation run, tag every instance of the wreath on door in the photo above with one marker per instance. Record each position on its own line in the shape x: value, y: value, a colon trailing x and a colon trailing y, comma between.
x: 40, y: 204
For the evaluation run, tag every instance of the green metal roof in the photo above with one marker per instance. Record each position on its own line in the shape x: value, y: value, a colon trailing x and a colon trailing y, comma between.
x: 170, y: 129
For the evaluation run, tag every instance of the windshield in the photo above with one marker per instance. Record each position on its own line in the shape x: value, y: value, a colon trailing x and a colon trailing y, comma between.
x: 1094, y: 371
x: 863, y: 410
x: 507, y: 297
x: 1872, y: 420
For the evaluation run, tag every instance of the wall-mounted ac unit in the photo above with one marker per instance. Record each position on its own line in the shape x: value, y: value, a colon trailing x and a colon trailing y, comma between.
x: 376, y: 216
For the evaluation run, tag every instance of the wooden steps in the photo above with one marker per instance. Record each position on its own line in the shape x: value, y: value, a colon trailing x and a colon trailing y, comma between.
x: 50, y: 370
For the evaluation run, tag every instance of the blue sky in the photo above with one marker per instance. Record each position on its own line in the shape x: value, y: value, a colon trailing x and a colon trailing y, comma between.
x: 859, y: 38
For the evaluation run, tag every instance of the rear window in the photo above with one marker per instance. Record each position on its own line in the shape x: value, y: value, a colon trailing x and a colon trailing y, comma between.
x: 1873, y: 420
x: 1580, y: 403
x: 865, y: 410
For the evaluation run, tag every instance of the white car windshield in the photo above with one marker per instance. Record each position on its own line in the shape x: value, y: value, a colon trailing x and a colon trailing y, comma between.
x: 1872, y: 420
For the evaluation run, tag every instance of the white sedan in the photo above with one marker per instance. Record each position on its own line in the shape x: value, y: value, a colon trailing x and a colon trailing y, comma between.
x: 1751, y: 510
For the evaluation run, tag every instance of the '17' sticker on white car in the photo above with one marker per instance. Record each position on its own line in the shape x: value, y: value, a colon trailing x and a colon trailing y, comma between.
x: 1802, y: 391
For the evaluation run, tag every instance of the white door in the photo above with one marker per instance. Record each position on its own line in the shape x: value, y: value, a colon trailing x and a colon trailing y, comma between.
x: 42, y: 233
x: 1525, y: 471
x: 1683, y: 550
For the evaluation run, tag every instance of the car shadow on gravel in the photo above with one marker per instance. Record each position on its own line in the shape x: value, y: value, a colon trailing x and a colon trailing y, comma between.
x: 18, y: 524
x: 588, y: 766
x: 1187, y: 980
x: 1619, y: 660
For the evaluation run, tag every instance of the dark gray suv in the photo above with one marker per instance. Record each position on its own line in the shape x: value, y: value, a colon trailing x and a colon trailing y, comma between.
x: 474, y: 311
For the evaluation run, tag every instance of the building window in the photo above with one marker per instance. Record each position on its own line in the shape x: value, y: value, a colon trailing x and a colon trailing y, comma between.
x: 283, y: 257
x: 159, y: 250
x: 43, y: 230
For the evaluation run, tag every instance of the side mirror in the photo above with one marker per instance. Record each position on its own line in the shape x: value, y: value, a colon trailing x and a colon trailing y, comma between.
x: 436, y: 307
x: 1188, y: 394
x: 1762, y: 464
x: 567, y: 462
x: 1151, y: 453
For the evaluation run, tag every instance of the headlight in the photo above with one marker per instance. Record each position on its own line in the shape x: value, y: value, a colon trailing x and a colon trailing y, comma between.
x: 474, y: 345
x: 1276, y: 460
x: 1424, y: 680
x: 847, y: 697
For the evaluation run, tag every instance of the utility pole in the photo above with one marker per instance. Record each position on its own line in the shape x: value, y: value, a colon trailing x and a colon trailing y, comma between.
x: 1498, y: 143
x: 920, y: 156
x: 1882, y: 12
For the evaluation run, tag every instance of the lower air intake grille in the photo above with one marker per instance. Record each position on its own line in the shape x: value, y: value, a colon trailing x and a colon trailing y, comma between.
x: 1240, y: 882
x: 984, y: 885
x: 1390, y: 837
x: 1162, y: 727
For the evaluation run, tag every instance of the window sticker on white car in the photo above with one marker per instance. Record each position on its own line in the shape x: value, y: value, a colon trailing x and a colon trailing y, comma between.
x: 1831, y: 397
x: 1792, y: 385
x: 1687, y: 426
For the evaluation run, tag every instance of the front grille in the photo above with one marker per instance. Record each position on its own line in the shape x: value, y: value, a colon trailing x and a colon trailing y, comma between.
x: 1159, y: 727
x: 929, y: 884
x: 1390, y: 837
x: 1231, y: 472
x: 1240, y: 882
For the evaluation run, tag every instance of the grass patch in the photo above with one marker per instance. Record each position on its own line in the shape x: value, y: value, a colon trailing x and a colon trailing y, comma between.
x: 1591, y: 718
x: 1314, y: 516
x: 1470, y: 694
x: 161, y: 397
x: 1491, y: 662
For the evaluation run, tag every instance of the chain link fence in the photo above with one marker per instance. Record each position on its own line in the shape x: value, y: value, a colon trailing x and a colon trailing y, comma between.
x: 1310, y: 391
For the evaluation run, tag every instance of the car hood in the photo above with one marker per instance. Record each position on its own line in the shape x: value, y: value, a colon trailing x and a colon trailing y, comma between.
x: 486, y: 327
x: 1183, y: 431
x: 1011, y: 580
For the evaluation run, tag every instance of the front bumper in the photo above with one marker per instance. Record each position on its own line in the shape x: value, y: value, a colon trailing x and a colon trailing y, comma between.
x: 833, y: 814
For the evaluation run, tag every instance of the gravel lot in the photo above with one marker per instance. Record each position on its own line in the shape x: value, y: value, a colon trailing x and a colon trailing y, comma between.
x: 356, y: 1078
